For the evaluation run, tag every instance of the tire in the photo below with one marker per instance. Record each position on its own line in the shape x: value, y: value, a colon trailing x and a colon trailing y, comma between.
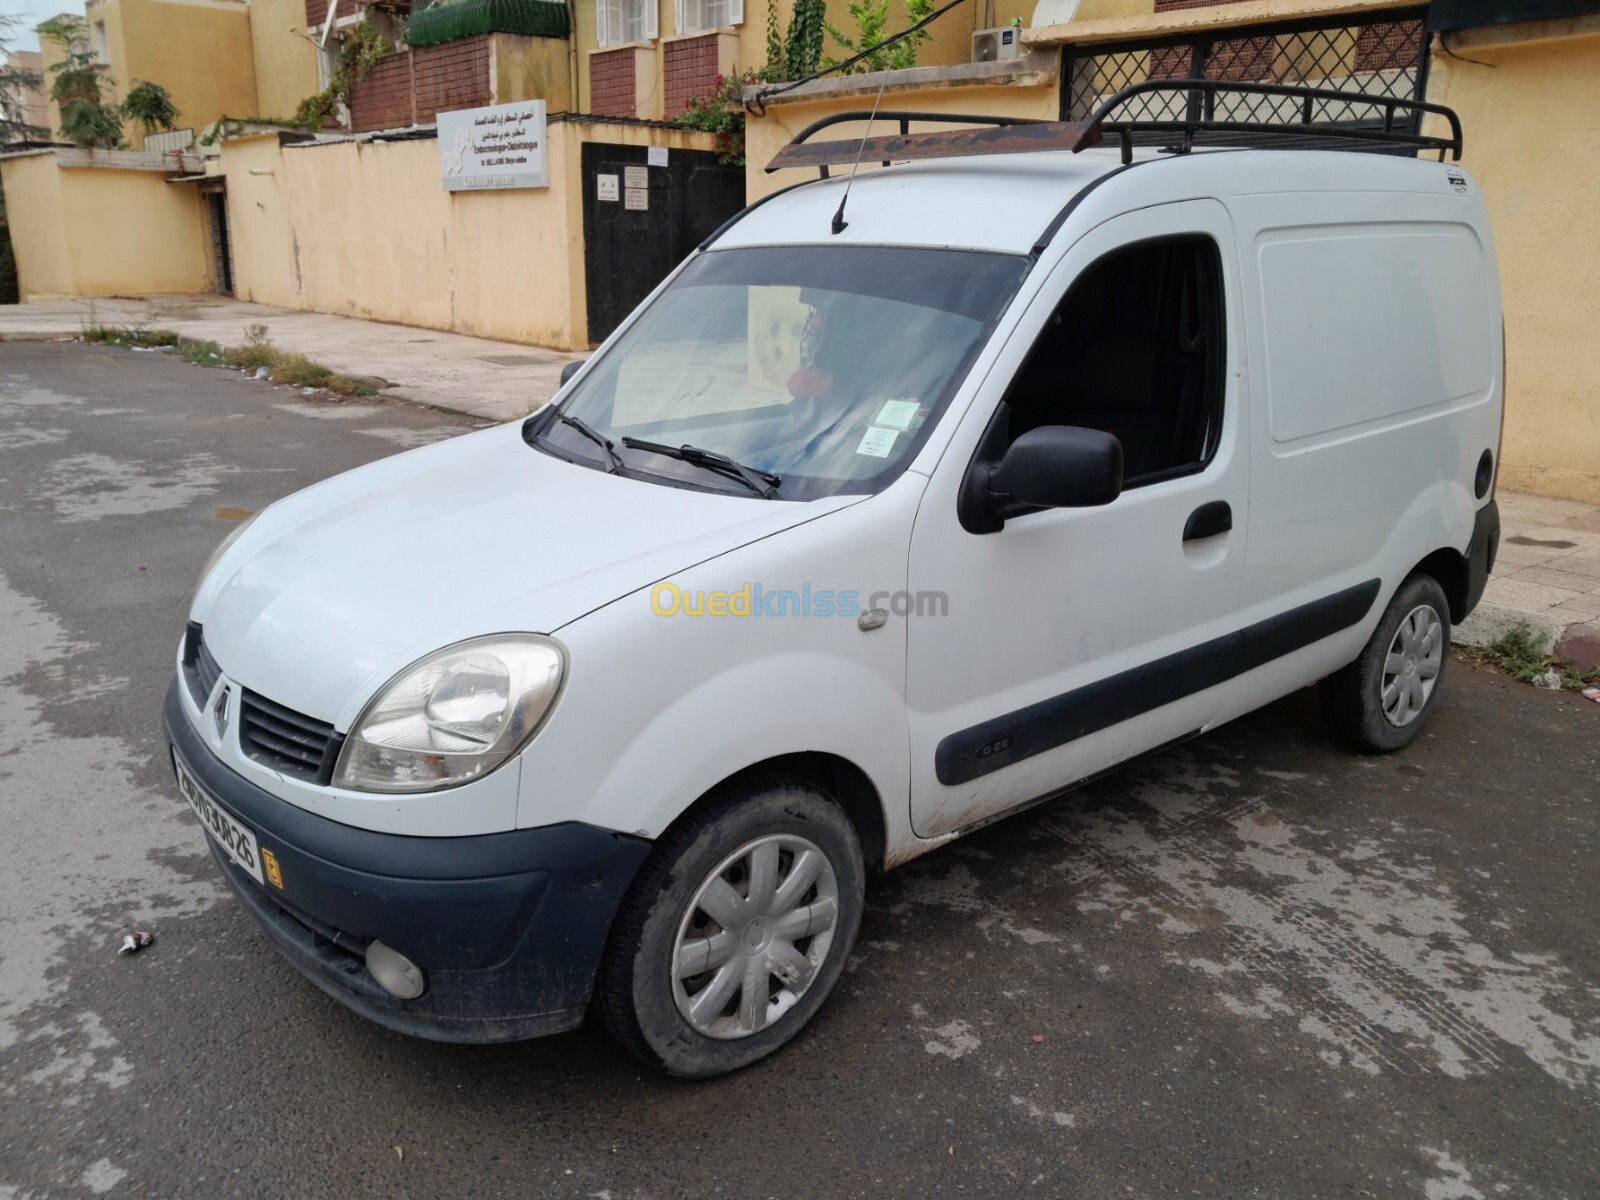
x: 1379, y: 702
x: 758, y: 987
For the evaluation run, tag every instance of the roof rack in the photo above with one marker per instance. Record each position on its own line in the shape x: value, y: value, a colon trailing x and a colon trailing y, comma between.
x: 1200, y: 123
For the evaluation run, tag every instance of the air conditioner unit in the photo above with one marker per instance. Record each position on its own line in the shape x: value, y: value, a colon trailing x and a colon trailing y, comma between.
x: 991, y: 44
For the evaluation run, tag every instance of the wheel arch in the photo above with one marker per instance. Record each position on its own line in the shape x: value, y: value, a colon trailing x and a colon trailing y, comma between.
x: 1449, y: 568
x: 847, y: 783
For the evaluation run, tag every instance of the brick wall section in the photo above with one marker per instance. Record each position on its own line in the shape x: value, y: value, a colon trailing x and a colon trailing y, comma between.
x: 383, y: 99
x: 611, y: 84
x: 316, y: 10
x: 452, y: 75
x: 690, y: 67
x: 1393, y: 44
x: 414, y: 86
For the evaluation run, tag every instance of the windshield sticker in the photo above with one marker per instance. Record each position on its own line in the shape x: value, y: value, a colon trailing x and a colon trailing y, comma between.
x: 877, y: 442
x: 1457, y: 180
x: 897, y: 414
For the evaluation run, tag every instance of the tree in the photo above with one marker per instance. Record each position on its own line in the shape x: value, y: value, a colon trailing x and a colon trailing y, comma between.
x: 12, y: 81
x: 86, y: 119
x: 151, y: 105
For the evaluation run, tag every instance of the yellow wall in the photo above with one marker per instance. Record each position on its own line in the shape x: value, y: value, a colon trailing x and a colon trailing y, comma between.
x: 285, y: 62
x: 33, y: 209
x: 951, y: 41
x: 1531, y: 126
x: 765, y: 136
x: 199, y: 50
x: 365, y: 229
x: 532, y: 68
x: 98, y: 231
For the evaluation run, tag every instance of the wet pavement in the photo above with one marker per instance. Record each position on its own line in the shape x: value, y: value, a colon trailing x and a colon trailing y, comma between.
x: 1255, y: 966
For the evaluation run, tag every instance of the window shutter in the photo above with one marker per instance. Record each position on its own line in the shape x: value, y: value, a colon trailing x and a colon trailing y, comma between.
x: 736, y: 12
x: 652, y: 19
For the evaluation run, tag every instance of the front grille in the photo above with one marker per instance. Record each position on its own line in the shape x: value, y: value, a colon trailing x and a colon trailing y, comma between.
x: 200, y: 670
x: 286, y: 741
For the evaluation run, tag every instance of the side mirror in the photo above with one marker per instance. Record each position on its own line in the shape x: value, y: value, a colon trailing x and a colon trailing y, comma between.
x: 1060, y: 466
x: 571, y: 369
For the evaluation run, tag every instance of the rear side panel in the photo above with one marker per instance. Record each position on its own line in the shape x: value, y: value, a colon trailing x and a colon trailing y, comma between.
x: 1375, y: 345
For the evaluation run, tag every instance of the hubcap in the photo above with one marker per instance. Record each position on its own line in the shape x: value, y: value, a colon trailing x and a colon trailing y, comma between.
x: 1411, y: 668
x: 754, y: 936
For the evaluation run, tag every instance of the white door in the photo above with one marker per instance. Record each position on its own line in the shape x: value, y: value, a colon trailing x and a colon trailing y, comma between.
x: 1072, y: 639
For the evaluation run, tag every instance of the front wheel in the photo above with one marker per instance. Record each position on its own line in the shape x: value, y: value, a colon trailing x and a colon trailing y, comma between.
x: 1378, y: 702
x: 736, y: 929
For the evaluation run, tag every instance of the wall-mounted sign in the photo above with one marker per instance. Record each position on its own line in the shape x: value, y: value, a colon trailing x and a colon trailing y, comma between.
x: 635, y: 177
x: 606, y: 187
x: 502, y: 146
x: 637, y: 199
x: 656, y: 156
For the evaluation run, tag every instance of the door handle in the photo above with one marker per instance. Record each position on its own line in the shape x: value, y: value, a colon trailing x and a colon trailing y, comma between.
x: 1208, y: 520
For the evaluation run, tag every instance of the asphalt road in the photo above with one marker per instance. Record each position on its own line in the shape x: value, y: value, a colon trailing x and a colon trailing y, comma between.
x: 1257, y: 966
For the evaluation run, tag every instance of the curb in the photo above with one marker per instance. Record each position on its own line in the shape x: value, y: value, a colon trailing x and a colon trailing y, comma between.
x: 1490, y: 622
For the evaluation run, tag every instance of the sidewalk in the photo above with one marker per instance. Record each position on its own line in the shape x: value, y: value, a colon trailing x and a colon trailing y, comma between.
x: 1547, y: 575
x: 496, y: 380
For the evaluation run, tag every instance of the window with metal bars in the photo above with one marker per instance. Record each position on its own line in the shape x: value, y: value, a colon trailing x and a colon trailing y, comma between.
x: 1384, y: 55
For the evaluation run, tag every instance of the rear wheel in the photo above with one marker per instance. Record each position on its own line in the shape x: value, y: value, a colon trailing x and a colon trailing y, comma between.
x: 736, y: 929
x: 1378, y: 703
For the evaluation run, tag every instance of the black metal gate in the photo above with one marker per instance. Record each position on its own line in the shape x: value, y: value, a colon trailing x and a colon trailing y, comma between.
x: 641, y: 221
x: 1383, y: 54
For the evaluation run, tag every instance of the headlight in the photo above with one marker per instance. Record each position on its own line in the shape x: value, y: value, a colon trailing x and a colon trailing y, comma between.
x: 454, y: 716
x: 222, y: 548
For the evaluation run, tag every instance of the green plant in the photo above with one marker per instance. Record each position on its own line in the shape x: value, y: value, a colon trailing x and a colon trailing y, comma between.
x: 151, y: 106
x: 721, y: 114
x: 798, y: 52
x: 359, y: 51
x: 202, y: 354
x: 87, y: 120
x: 1521, y: 653
x: 872, y: 19
x: 256, y: 352
x: 282, y: 366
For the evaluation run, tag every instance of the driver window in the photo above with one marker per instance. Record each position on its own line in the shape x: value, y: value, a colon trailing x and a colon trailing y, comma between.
x: 1135, y: 348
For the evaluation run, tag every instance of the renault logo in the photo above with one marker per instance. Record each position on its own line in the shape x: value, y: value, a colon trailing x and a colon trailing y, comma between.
x: 219, y: 714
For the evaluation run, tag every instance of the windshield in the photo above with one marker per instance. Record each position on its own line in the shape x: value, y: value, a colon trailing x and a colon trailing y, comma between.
x: 823, y: 366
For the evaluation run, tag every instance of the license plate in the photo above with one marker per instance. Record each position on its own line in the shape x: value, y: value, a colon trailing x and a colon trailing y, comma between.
x: 237, y: 841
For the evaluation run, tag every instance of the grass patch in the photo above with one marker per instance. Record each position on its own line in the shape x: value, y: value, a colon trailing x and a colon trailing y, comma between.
x: 1520, y: 653
x: 203, y: 354
x: 282, y: 366
x: 128, y: 335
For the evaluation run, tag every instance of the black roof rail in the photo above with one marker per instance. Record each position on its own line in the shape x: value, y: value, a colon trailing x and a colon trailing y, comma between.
x: 1017, y: 135
x: 1200, y: 117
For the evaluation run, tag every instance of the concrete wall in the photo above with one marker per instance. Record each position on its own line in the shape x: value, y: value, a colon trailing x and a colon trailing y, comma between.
x: 365, y: 229
x: 285, y: 62
x: 33, y: 209
x: 1530, y: 109
x: 99, y: 231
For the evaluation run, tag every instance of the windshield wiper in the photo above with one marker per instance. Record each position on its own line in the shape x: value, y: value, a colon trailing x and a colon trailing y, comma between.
x: 763, y: 483
x: 613, y: 459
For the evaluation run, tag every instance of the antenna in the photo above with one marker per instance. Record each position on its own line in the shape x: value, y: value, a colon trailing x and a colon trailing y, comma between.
x: 839, y: 223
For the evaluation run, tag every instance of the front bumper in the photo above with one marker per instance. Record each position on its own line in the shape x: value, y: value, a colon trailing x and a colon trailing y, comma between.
x: 508, y: 927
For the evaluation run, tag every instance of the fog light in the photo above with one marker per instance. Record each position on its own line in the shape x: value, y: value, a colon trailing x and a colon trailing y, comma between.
x: 397, y: 974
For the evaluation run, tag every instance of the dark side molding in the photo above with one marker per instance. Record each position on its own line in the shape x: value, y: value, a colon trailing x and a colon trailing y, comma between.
x: 1004, y: 740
